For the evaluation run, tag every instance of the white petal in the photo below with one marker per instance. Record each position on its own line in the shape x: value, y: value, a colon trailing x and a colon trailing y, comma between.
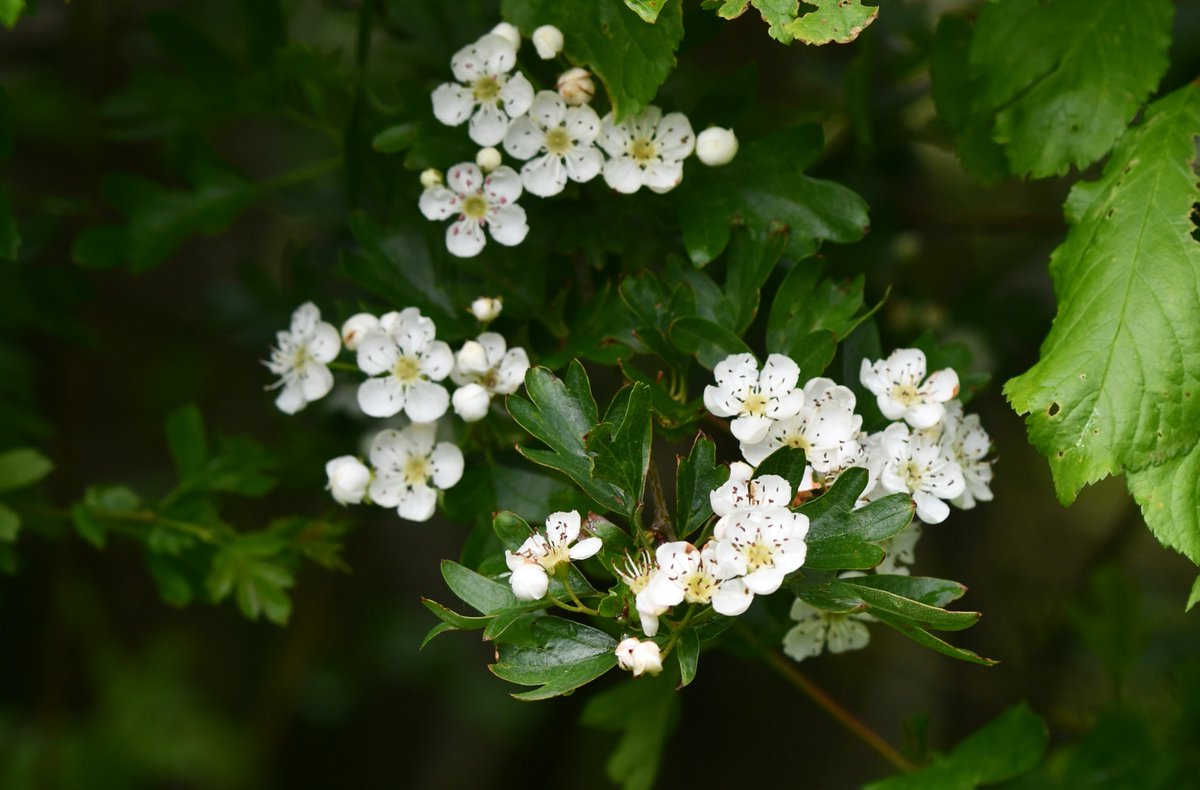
x: 465, y: 178
x: 517, y: 95
x: 447, y: 465
x: 426, y: 401
x: 547, y: 110
x: 721, y: 402
x: 941, y: 386
x: 732, y: 598
x: 417, y: 503
x: 645, y: 124
x: 419, y: 438
x: 623, y: 175
x: 736, y: 372
x: 304, y: 318
x: 507, y: 225
x: 847, y: 634
x: 750, y: 429
x: 471, y: 402
x: 467, y: 64
x: 544, y: 176
x: 772, y: 490
x: 465, y: 238
x: 488, y: 125
x: 437, y: 361
x: 290, y: 398
x: 386, y: 490
x: 497, y: 54
x: 583, y: 125
x: 377, y: 353
x: 787, y: 405
x: 924, y: 415
x: 930, y: 509
x: 673, y: 138
x: 565, y: 524
x: 511, y: 374
x: 662, y: 177
x: 585, y: 548
x: 438, y: 203
x: 779, y: 376
x: 907, y: 365
x: 529, y: 582
x: 583, y: 164
x: 871, y: 377
x: 502, y: 186
x: 315, y: 380
x: 493, y: 345
x: 452, y: 104
x: 763, y: 581
x: 381, y: 397
x: 756, y: 453
x: 614, y: 138
x: 523, y: 140
x: 805, y: 640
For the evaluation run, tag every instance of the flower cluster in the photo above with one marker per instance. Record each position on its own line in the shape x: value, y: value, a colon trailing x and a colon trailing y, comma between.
x: 406, y: 370
x: 557, y: 134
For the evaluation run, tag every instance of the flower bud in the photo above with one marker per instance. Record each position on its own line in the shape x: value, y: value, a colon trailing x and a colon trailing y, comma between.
x: 529, y: 581
x: 356, y: 327
x: 549, y: 41
x: 509, y: 33
x: 576, y: 86
x: 640, y: 657
x: 487, y: 308
x: 431, y: 178
x: 488, y: 159
x: 471, y: 402
x: 348, y: 479
x: 472, y: 358
x: 716, y: 146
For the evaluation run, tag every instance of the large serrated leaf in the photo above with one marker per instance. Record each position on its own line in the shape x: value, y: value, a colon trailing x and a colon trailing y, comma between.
x: 833, y: 21
x: 620, y: 445
x: 1117, y: 386
x: 1169, y: 496
x: 567, y: 655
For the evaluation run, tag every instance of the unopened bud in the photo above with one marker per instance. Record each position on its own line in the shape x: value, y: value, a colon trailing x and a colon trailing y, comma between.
x: 488, y: 159
x: 716, y: 146
x: 472, y: 358
x: 471, y: 402
x: 549, y: 41
x: 356, y: 327
x: 509, y: 33
x: 487, y: 308
x: 431, y: 178
x: 576, y: 86
x: 348, y: 479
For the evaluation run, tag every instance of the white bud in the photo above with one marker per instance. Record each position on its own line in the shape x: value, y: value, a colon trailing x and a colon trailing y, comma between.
x: 716, y: 146
x: 487, y: 308
x: 509, y: 33
x: 549, y: 41
x: 576, y: 86
x: 472, y: 358
x: 356, y: 327
x: 488, y: 159
x: 431, y: 178
x: 640, y: 657
x: 348, y: 479
x: 471, y: 402
x: 529, y: 581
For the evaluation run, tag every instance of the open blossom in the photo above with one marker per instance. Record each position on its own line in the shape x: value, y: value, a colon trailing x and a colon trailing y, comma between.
x: 480, y: 202
x: 761, y: 545
x: 406, y: 363
x: 755, y: 400
x: 565, y: 138
x: 965, y: 443
x: 639, y: 656
x: 825, y: 428
x: 300, y: 359
x: 647, y: 150
x: 686, y: 573
x: 410, y: 466
x: 903, y: 392
x: 816, y: 630
x: 543, y: 553
x: 348, y: 479
x: 483, y: 368
x: 740, y: 492
x: 487, y: 93
x: 913, y: 464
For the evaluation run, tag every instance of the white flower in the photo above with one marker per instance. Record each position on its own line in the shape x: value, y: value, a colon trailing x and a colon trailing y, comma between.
x: 528, y: 580
x: 483, y: 69
x: 548, y: 40
x: 966, y: 443
x: 903, y: 392
x: 825, y: 428
x: 900, y: 551
x: 410, y: 467
x: 686, y: 573
x: 716, y: 146
x: 431, y: 177
x: 817, y: 629
x: 755, y: 400
x: 487, y: 308
x: 356, y: 328
x: 406, y: 363
x: 762, y: 545
x: 740, y: 492
x: 639, y: 656
x: 479, y: 202
x: 913, y: 464
x: 539, y: 555
x: 564, y: 136
x: 647, y: 150
x: 488, y: 159
x: 483, y: 368
x: 509, y: 33
x: 348, y: 479
x: 300, y: 357
x: 576, y: 86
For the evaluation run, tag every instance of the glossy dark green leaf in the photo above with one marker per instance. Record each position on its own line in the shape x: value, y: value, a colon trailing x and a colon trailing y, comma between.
x: 567, y: 655
x: 395, y: 139
x: 749, y: 262
x: 687, y: 652
x: 479, y: 592
x: 788, y: 463
x: 697, y: 477
x: 708, y: 341
x: 926, y: 639
x: 620, y: 445
x: 511, y: 529
x: 923, y: 589
x: 459, y: 622
x: 924, y: 615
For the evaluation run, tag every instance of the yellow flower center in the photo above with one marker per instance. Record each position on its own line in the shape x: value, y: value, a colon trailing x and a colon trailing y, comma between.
x: 698, y: 588
x: 642, y: 151
x: 799, y: 441
x: 755, y: 404
x: 913, y: 474
x: 407, y: 369
x: 906, y: 394
x: 558, y: 142
x: 416, y: 470
x: 758, y: 555
x: 485, y: 89
x: 475, y: 207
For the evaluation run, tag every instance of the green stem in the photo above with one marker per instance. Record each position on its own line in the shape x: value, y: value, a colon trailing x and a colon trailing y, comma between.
x: 562, y: 574
x: 679, y: 629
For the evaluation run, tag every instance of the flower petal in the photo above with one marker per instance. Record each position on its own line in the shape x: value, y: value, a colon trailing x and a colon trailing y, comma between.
x: 446, y: 465
x: 846, y: 634
x: 583, y: 163
x: 585, y: 548
x: 523, y: 140
x: 517, y: 95
x: 452, y: 104
x: 315, y: 381
x: 507, y: 225
x: 547, y: 110
x: 544, y: 176
x: 465, y: 178
x: 497, y: 55
x: 805, y: 640
x: 386, y: 490
x: 438, y: 203
x: 464, y: 238
x: 941, y: 385
x: 736, y: 372
x: 326, y: 342
x: 488, y: 125
x: 583, y: 125
x: 623, y: 175
x: 930, y: 509
x: 721, y: 402
x: 662, y: 177
x: 377, y: 353
x: 417, y: 503
x: 779, y: 376
x: 750, y: 429
x: 291, y: 397
x: 511, y: 374
x: 502, y: 186
x: 732, y: 598
x: 924, y: 415
x: 381, y: 397
x: 437, y: 361
x: 426, y: 402
x: 673, y: 138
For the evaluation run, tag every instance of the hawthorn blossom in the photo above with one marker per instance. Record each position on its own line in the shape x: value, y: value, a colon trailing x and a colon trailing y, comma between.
x: 576, y: 86
x: 548, y: 41
x: 488, y: 94
x: 740, y: 492
x: 564, y: 136
x: 488, y: 159
x: 406, y: 362
x: 913, y: 464
x: 300, y: 358
x: 825, y: 428
x: 686, y: 573
x: 487, y: 308
x: 817, y: 630
x: 544, y: 553
x: 348, y: 479
x: 755, y: 400
x: 639, y: 656
x: 761, y: 545
x: 528, y: 579
x: 647, y: 150
x: 902, y: 390
x: 483, y: 368
x: 900, y: 551
x: 966, y: 443
x: 716, y: 146
x: 479, y: 202
x: 410, y: 468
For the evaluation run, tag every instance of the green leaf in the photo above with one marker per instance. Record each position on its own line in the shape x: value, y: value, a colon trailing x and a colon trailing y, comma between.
x: 648, y: 10
x: 615, y: 542
x: 839, y: 21
x: 687, y: 652
x: 654, y: 305
x: 923, y: 589
x: 631, y: 58
x: 1059, y: 80
x: 250, y: 567
x: 567, y: 655
x: 765, y: 189
x: 170, y: 577
x: 504, y: 621
x: 710, y: 342
x: 458, y: 622
x: 92, y: 516
x: 674, y: 417
x: 961, y: 105
x: 479, y: 592
x: 924, y: 615
x: 1169, y: 496
x: 788, y: 463
x: 645, y: 712
x: 1117, y: 386
x: 1007, y: 747
x: 749, y: 264
x: 1194, y: 596
x: 395, y: 138
x: 620, y: 445
x: 807, y: 303
x: 926, y: 639
x: 839, y: 537
x: 511, y: 529
x: 698, y: 475
x: 10, y: 12
x: 10, y: 524
x: 22, y: 467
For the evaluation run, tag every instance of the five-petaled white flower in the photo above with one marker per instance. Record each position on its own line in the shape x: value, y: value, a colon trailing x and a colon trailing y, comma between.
x: 488, y: 94
x: 966, y: 443
x: 639, y: 656
x: 544, y: 553
x: 754, y: 399
x: 647, y: 150
x: 686, y: 573
x: 479, y: 202
x: 564, y: 136
x: 410, y: 465
x: 913, y: 464
x: 406, y: 363
x: 761, y: 545
x: 348, y: 479
x: 300, y: 359
x: 903, y: 392
x: 483, y: 368
x: 825, y: 428
x: 817, y: 629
